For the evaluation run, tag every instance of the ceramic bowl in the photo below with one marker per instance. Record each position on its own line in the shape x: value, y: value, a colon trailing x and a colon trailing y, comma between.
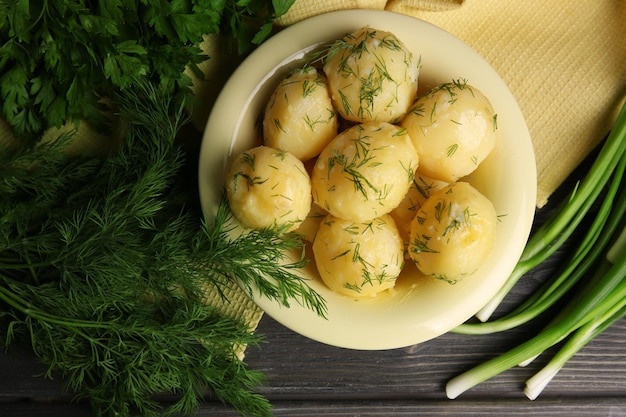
x: 417, y: 309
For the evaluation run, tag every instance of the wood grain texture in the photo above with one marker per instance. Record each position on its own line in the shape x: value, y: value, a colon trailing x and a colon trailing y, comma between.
x: 299, y: 368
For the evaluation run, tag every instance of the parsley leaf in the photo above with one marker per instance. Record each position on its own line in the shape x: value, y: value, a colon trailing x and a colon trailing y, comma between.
x: 89, y: 49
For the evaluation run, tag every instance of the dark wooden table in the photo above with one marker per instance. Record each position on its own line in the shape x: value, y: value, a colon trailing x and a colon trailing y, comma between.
x: 306, y: 378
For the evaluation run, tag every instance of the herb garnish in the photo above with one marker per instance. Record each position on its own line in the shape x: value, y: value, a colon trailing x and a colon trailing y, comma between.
x: 104, y: 264
x: 349, y: 50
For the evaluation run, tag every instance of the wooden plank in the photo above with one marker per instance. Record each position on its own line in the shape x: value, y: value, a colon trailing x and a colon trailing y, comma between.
x: 44, y: 409
x: 494, y: 408
x: 300, y: 368
x: 570, y: 407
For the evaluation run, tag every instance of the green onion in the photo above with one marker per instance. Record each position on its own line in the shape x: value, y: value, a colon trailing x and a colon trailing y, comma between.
x: 599, y: 301
x: 580, y: 338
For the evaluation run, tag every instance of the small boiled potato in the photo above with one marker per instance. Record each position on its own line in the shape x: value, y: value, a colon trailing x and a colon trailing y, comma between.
x: 268, y: 187
x: 372, y: 76
x: 358, y: 259
x: 453, y: 232
x: 365, y: 171
x: 453, y: 128
x: 421, y: 188
x: 299, y: 117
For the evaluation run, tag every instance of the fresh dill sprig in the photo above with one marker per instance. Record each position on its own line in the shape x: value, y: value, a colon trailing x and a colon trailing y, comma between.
x: 347, y: 51
x: 104, y: 264
x: 262, y: 260
x: 363, y: 156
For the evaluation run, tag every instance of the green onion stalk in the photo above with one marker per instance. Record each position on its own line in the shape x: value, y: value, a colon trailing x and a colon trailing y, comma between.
x: 594, y: 276
x: 582, y: 336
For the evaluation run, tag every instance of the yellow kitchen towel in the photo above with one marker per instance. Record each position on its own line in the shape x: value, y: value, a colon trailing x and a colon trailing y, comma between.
x: 564, y: 61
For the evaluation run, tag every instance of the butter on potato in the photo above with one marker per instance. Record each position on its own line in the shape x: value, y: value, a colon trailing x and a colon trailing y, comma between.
x: 299, y: 117
x: 372, y: 76
x: 267, y: 187
x: 453, y: 232
x: 358, y: 259
x: 365, y: 171
x: 453, y: 127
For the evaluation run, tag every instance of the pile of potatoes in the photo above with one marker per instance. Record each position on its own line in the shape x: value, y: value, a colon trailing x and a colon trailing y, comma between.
x: 369, y: 172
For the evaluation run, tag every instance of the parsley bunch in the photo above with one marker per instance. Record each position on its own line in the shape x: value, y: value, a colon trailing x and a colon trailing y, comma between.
x: 60, y: 58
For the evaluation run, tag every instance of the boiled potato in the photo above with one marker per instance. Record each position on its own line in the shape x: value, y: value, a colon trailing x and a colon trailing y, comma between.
x: 268, y: 187
x: 358, y: 259
x: 372, y: 76
x: 299, y: 117
x: 421, y: 188
x: 453, y: 232
x: 365, y: 171
x: 453, y: 128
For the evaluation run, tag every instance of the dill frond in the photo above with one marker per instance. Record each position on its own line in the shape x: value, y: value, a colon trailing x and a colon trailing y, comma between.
x: 104, y: 263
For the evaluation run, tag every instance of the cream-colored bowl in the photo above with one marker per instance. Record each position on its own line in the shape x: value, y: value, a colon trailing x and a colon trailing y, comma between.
x: 417, y: 309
